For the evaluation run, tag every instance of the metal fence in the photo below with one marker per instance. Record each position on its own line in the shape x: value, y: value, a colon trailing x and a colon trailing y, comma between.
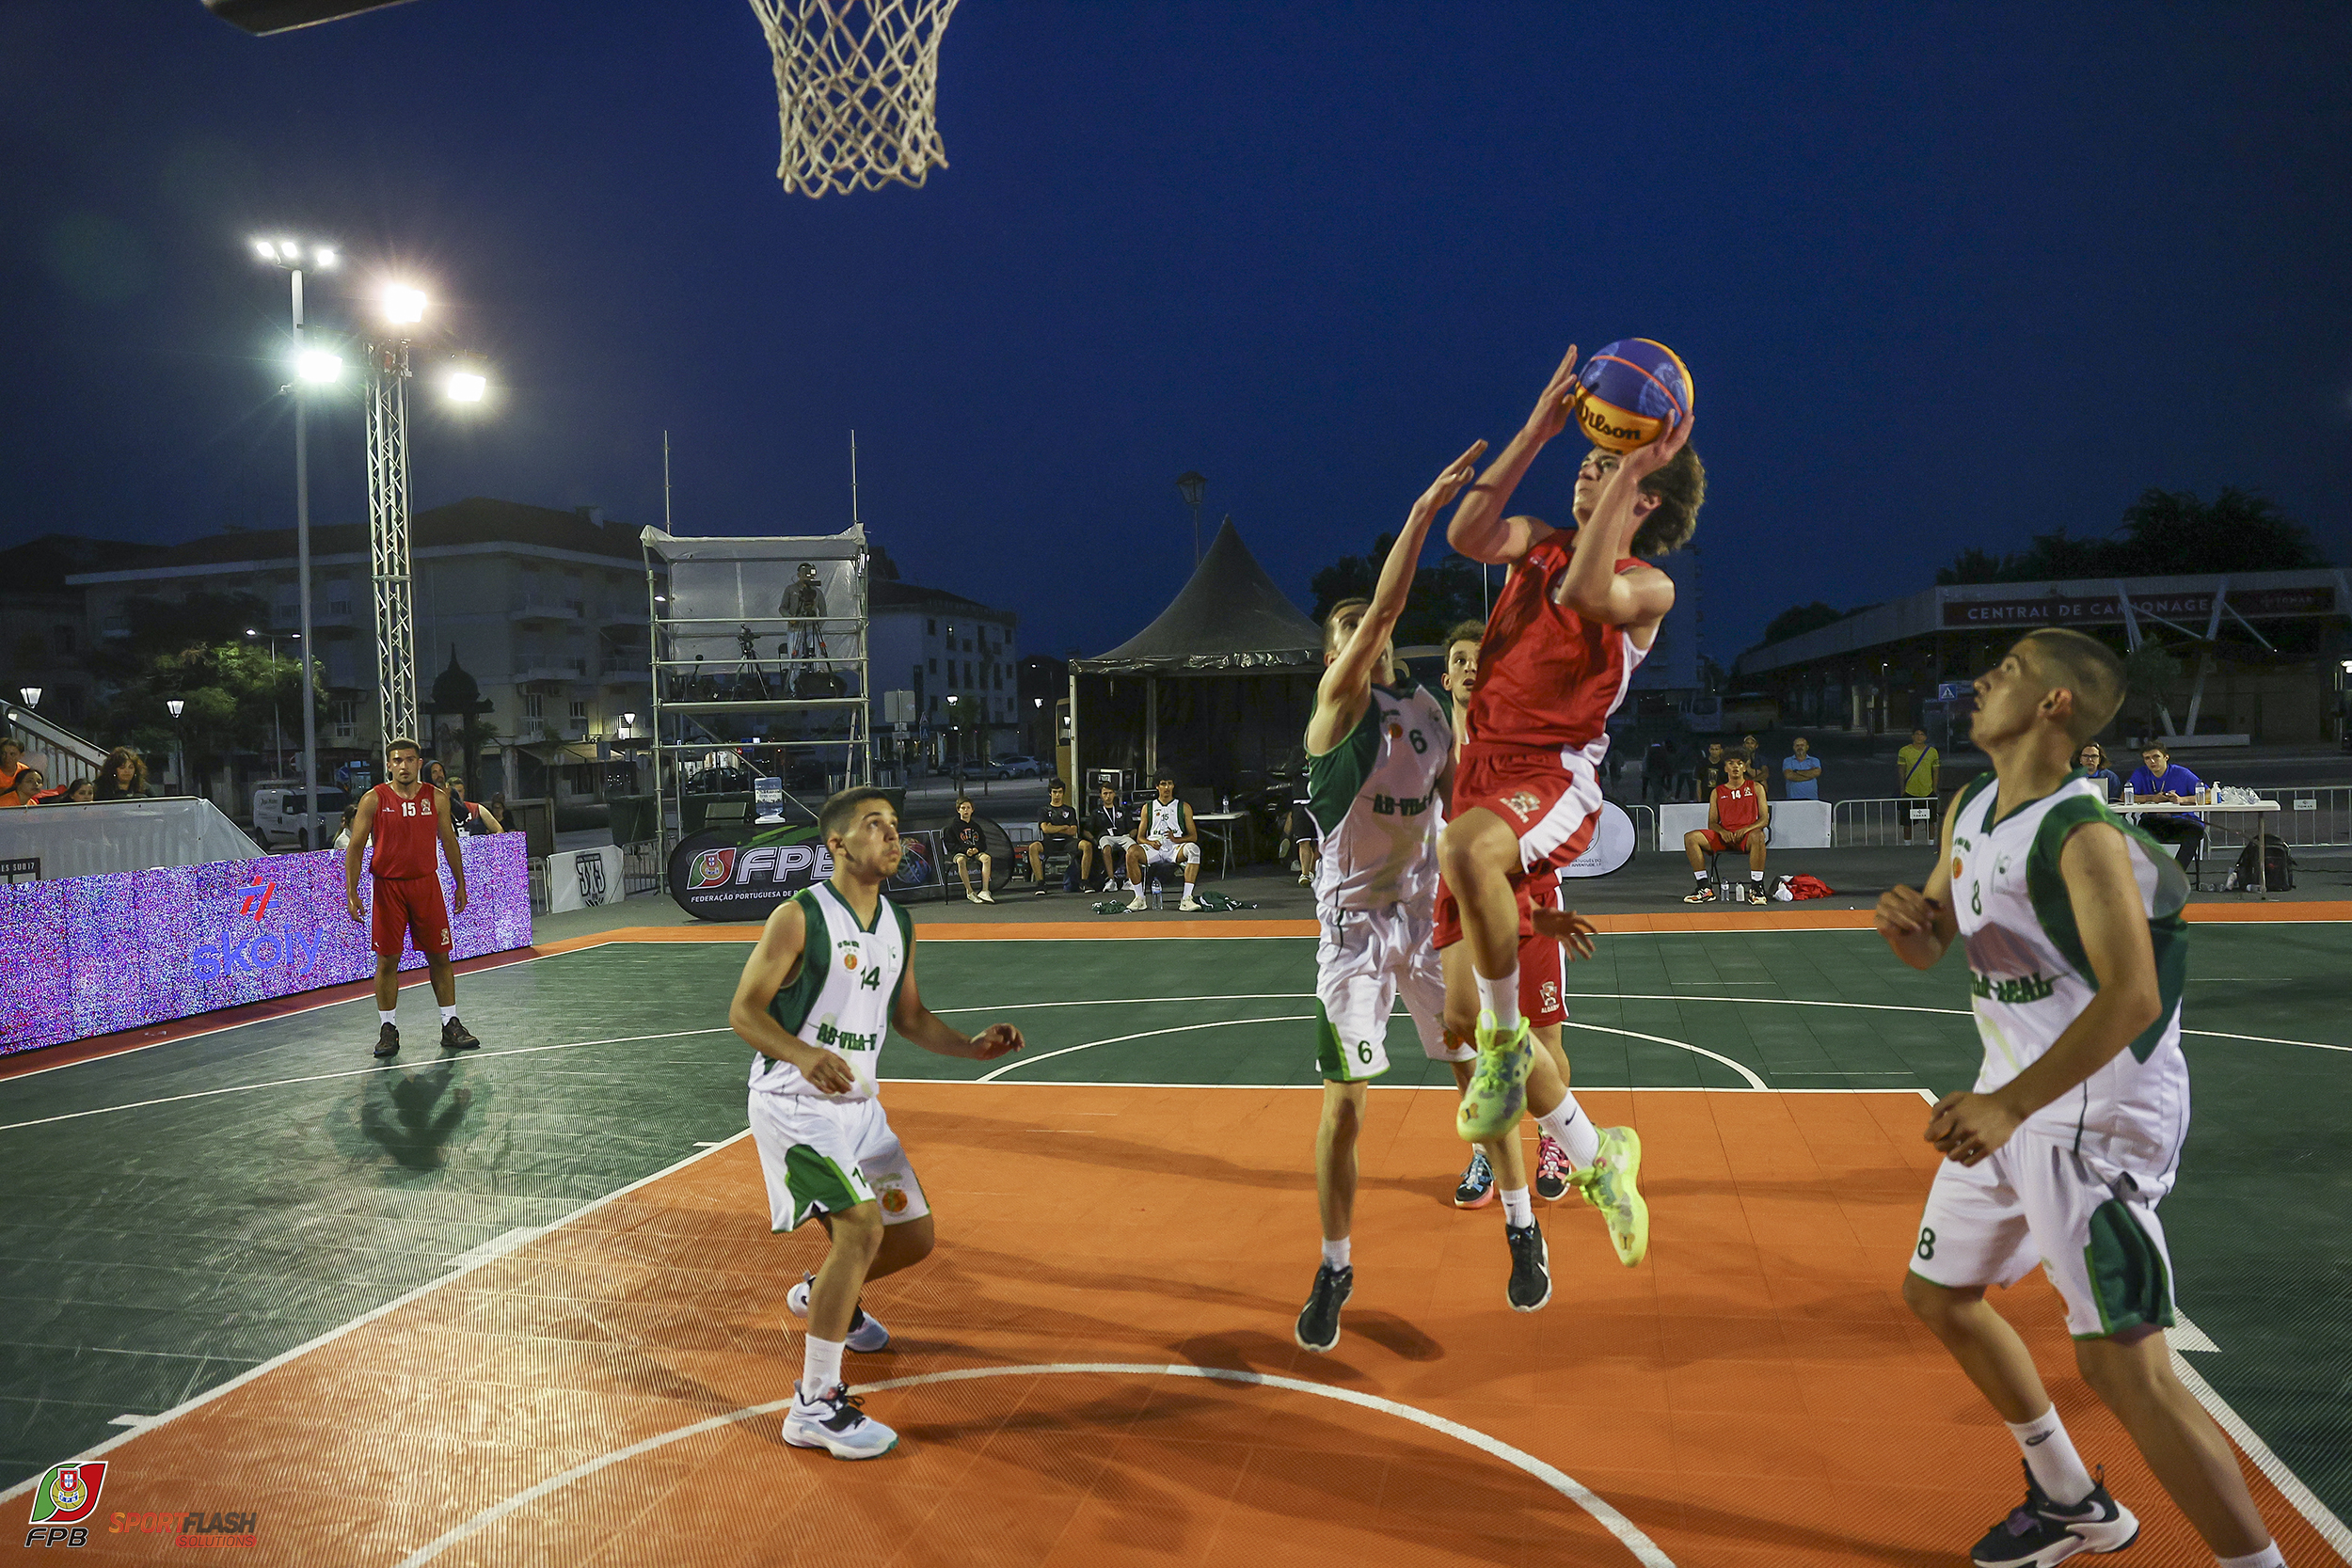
x: 538, y: 869
x: 644, y: 865
x: 2309, y: 816
x: 1644, y: 825
x: 1876, y: 823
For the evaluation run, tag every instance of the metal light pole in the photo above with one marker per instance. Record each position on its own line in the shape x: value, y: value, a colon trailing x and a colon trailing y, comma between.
x: 276, y: 724
x: 1190, y: 484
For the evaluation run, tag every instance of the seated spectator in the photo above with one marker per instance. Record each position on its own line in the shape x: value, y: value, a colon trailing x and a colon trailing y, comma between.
x: 2092, y: 760
x: 1737, y: 818
x: 1166, y: 836
x: 1058, y: 838
x: 1111, y: 827
x: 122, y: 776
x: 28, y: 784
x: 1916, y: 769
x: 11, y: 760
x: 1759, y: 772
x: 1801, y: 770
x: 471, y: 816
x: 2159, y: 778
x: 80, y: 792
x: 967, y: 846
x: 1300, y: 828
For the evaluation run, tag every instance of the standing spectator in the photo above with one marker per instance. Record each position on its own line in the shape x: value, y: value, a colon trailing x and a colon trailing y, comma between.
x: 21, y: 789
x: 11, y: 760
x: 1711, y: 771
x: 1737, y: 818
x: 342, y: 833
x: 1801, y: 770
x: 2159, y: 778
x: 1759, y: 772
x: 437, y: 775
x: 1658, y: 767
x: 473, y: 818
x: 1916, y: 766
x: 1112, y: 827
x: 967, y: 845
x: 498, y: 808
x: 1057, y: 834
x: 2092, y: 760
x: 122, y: 776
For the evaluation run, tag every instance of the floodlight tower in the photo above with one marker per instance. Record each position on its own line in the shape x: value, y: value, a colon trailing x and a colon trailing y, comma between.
x: 389, y: 568
x: 315, y: 367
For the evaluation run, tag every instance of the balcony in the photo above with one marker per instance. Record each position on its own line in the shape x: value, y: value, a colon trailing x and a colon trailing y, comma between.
x: 544, y: 606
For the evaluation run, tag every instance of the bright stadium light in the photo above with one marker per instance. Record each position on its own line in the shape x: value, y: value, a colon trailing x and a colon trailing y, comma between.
x: 266, y: 249
x: 404, y: 305
x: 467, y: 386
x: 317, y: 366
x: 326, y: 255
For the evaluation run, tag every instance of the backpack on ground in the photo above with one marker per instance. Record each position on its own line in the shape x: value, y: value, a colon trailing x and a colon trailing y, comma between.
x: 2277, y: 870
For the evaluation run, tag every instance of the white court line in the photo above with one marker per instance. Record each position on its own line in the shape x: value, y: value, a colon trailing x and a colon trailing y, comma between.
x: 1143, y: 1035
x: 1753, y: 1081
x: 477, y: 1259
x: 2316, y: 1514
x: 1645, y: 1551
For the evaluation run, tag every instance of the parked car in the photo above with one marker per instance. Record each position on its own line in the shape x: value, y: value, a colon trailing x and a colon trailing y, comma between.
x: 973, y: 767
x: 278, y: 816
x: 1021, y: 767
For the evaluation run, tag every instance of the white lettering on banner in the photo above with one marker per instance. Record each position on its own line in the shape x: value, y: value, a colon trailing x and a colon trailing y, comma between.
x: 583, y: 879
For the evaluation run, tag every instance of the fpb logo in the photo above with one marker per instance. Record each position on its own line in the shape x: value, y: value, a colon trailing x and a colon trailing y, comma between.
x: 67, y: 1496
x: 712, y: 869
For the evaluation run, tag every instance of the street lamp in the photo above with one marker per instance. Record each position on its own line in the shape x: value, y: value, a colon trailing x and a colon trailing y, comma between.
x: 31, y: 695
x: 289, y: 254
x: 1190, y: 484
x: 179, y: 760
x: 274, y: 722
x: 628, y: 722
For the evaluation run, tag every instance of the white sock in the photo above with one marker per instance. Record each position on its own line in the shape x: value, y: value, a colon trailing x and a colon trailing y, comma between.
x: 449, y: 1016
x: 1698, y: 875
x: 820, y: 1366
x: 1573, y: 1130
x: 2050, y: 1455
x: 1756, y: 876
x: 1502, y: 998
x: 388, y: 1015
x: 1517, y: 1209
x: 2267, y: 1558
x: 1336, y: 1254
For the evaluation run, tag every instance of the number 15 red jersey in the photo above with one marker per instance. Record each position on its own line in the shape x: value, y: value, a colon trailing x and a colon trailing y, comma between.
x: 406, y: 832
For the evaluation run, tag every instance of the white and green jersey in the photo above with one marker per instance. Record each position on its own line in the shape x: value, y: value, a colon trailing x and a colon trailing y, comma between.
x: 844, y: 992
x: 1374, y: 800
x: 2030, y: 978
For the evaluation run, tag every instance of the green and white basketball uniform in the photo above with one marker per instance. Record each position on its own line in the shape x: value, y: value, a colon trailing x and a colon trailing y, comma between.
x: 1164, y: 821
x: 2076, y: 1186
x: 1374, y: 800
x: 832, y: 1151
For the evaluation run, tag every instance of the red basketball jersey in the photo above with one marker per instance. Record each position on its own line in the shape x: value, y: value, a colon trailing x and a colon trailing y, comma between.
x: 1547, y: 678
x: 1736, y: 808
x: 407, y: 829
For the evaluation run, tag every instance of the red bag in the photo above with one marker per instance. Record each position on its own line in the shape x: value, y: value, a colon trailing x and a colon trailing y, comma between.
x: 1809, y: 887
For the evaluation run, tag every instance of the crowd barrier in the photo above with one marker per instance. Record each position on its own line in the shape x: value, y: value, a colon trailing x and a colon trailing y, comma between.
x: 93, y: 838
x: 1795, y: 825
x: 83, y: 956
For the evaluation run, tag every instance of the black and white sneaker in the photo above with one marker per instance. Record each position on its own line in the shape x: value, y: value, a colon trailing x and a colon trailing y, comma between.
x: 1477, y: 1186
x: 836, y: 1421
x: 1530, y: 1267
x: 2039, y: 1533
x: 387, y: 1041
x: 1319, y: 1321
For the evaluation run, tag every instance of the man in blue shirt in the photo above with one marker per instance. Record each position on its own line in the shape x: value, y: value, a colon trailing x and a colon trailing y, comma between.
x: 1802, y: 772
x: 2159, y: 778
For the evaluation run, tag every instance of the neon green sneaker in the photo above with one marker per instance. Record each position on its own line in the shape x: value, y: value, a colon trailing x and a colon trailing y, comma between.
x: 1498, y: 1088
x: 1611, y: 1183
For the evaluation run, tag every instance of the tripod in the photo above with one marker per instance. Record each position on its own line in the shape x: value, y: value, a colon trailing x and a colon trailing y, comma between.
x: 748, y: 667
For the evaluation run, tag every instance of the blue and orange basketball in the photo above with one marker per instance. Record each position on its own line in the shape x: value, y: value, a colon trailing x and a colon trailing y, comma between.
x: 1632, y: 392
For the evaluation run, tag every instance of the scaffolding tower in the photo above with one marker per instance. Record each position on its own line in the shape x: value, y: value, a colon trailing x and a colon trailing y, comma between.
x: 388, y: 543
x: 758, y: 648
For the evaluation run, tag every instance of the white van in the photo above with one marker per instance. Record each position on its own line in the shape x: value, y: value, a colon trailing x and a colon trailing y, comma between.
x: 278, y: 816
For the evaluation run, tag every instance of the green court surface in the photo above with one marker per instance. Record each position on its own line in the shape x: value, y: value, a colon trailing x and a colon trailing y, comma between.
x: 178, y: 1215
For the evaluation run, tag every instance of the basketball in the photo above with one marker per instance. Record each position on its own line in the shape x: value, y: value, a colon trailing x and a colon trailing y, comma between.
x: 1633, y: 392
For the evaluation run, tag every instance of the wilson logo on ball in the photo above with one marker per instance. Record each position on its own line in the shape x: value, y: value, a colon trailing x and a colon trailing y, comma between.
x: 1631, y: 392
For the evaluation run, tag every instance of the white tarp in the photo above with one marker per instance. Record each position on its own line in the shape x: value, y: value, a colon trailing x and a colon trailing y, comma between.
x: 1796, y: 824
x: 98, y: 837
x: 722, y: 590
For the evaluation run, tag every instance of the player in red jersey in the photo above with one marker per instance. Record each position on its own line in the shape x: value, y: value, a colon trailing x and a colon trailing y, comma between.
x: 1576, y: 615
x: 406, y: 819
x: 1739, y: 821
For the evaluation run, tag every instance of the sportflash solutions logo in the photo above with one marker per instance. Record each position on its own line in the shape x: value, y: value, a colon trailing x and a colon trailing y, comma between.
x: 249, y: 948
x: 68, y: 1496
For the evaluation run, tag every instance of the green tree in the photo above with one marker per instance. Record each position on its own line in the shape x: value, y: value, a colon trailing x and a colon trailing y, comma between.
x: 1799, y: 619
x: 2164, y: 534
x: 2150, y: 671
x: 236, y: 696
x: 1445, y: 593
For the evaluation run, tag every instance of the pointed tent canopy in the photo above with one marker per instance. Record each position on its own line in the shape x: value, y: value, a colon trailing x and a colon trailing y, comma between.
x: 1229, y: 618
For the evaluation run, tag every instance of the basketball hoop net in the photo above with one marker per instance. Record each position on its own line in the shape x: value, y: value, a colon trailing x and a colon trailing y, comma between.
x: 855, y: 84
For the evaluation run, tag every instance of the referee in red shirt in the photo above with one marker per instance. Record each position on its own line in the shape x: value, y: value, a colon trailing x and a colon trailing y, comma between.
x: 406, y: 819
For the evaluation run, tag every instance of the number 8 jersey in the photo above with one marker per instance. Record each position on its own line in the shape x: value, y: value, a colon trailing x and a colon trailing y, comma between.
x: 844, y: 994
x: 2030, y: 978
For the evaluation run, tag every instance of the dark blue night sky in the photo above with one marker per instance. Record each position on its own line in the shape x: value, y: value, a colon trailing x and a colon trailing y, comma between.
x: 1944, y: 276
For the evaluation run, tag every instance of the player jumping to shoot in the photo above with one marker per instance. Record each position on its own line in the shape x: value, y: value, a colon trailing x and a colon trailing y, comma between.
x: 2077, y: 952
x: 833, y: 972
x: 1376, y: 761
x: 1576, y: 615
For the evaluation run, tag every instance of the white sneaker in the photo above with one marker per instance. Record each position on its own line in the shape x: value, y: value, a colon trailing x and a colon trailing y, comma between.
x: 867, y: 1334
x: 1190, y: 902
x: 836, y: 1422
x: 985, y: 897
x: 970, y: 897
x: 1138, y: 901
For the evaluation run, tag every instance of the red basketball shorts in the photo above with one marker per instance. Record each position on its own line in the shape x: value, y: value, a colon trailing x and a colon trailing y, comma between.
x: 1542, y: 962
x: 1715, y: 842
x: 409, y: 907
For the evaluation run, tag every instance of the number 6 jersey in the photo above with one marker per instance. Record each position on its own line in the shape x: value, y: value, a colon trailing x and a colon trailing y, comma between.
x: 1373, y: 798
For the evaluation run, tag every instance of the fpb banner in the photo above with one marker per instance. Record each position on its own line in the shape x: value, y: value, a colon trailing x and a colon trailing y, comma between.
x: 739, y: 874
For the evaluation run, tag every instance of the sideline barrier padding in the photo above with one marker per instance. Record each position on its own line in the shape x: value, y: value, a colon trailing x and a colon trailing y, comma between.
x: 85, y: 956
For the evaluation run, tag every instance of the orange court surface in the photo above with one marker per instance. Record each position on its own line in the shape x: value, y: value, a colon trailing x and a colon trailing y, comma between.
x: 1095, y: 1367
